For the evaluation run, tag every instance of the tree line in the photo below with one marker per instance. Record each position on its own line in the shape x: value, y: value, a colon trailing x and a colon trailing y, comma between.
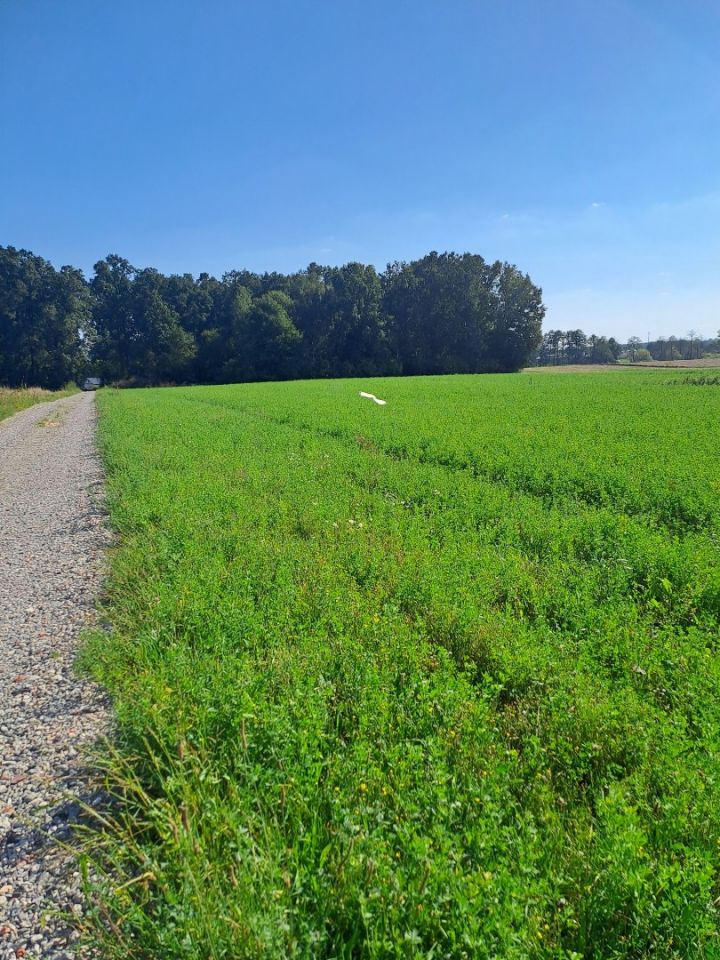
x: 443, y: 313
x: 573, y: 346
x: 690, y: 347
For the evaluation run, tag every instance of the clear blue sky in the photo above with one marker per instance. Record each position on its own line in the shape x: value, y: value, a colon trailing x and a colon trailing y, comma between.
x: 578, y: 139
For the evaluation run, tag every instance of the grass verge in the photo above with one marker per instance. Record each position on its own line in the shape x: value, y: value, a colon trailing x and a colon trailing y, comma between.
x: 14, y: 400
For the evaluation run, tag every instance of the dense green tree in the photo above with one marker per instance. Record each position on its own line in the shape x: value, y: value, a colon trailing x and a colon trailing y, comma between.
x: 44, y: 320
x: 605, y: 351
x: 576, y: 346
x: 200, y: 309
x: 69, y: 332
x: 164, y: 348
x: 517, y: 312
x: 451, y: 312
x: 439, y: 313
x: 264, y: 337
x: 444, y: 313
x: 117, y: 346
x: 354, y: 341
x: 306, y: 290
x: 138, y: 333
x: 227, y: 337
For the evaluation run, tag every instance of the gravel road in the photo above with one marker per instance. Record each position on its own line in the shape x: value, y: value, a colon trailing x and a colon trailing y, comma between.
x: 52, y: 539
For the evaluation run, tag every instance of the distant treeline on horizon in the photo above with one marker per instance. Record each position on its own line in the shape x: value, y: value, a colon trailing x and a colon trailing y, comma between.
x: 573, y: 346
x: 443, y: 313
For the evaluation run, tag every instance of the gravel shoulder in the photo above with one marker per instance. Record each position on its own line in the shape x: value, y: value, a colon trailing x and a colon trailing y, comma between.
x: 52, y: 540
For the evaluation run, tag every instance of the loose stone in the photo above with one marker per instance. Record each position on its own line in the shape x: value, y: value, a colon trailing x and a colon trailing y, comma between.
x: 51, y: 546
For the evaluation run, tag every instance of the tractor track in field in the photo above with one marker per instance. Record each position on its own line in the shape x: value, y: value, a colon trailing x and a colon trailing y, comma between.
x: 52, y: 543
x: 544, y: 489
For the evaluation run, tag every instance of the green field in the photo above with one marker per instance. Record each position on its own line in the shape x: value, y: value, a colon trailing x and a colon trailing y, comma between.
x: 435, y: 679
x: 13, y: 401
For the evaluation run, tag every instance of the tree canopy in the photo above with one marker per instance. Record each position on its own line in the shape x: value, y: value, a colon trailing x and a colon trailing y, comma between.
x: 44, y: 320
x: 443, y: 313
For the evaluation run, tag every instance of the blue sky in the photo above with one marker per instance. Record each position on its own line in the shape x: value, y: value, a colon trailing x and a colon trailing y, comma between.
x: 578, y: 139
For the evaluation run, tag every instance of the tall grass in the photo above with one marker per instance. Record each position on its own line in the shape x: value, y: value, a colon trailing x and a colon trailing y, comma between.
x: 14, y: 400
x: 438, y: 679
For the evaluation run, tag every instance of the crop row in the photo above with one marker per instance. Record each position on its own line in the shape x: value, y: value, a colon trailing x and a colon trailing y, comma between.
x: 374, y: 705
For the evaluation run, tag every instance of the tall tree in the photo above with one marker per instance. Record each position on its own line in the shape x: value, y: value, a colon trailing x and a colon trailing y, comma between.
x: 443, y: 313
x: 138, y: 334
x: 117, y: 344
x: 518, y: 312
x: 354, y: 341
x: 634, y: 344
x: 70, y: 334
x: 265, y: 337
x: 456, y: 313
x: 164, y: 349
x: 44, y: 317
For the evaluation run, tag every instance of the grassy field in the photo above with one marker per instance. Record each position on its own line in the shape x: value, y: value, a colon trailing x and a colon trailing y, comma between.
x: 435, y: 679
x: 13, y: 401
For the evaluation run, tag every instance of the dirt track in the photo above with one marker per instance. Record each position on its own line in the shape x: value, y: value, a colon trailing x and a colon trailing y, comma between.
x: 51, y: 547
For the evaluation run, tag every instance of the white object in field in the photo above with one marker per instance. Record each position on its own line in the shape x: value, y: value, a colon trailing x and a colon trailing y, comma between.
x: 371, y: 396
